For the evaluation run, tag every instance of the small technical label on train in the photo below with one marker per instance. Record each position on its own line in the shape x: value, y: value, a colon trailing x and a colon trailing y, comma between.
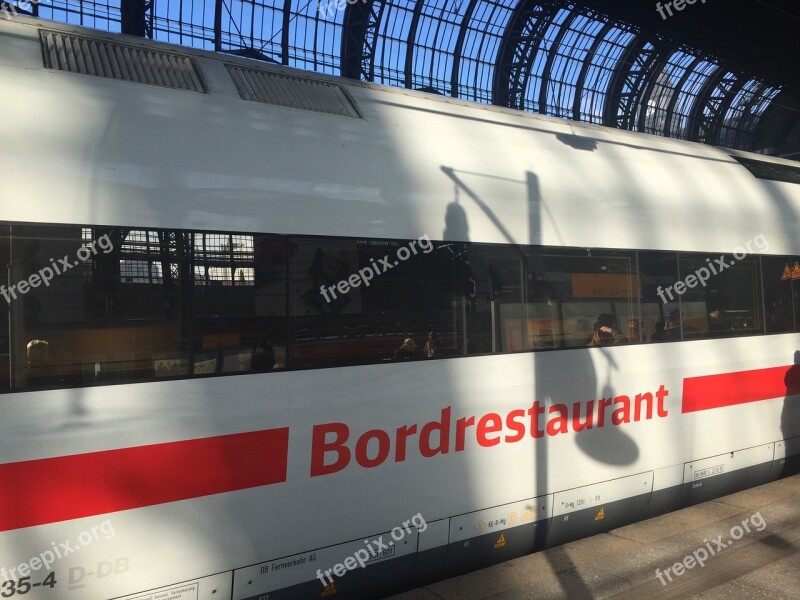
x: 187, y: 591
x: 382, y: 555
x: 703, y: 473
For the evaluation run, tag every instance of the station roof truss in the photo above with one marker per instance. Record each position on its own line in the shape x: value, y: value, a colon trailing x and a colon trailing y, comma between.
x: 554, y: 57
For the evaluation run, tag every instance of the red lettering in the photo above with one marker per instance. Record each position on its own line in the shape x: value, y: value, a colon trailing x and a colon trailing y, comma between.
x: 559, y: 424
x: 319, y: 447
x: 331, y: 454
x: 384, y: 443
x: 461, y: 426
x: 660, y: 395
x: 601, y: 405
x: 443, y: 427
x: 402, y: 435
x: 512, y: 423
x: 484, y: 428
x: 637, y: 411
x: 576, y: 416
x: 623, y: 413
x: 535, y: 412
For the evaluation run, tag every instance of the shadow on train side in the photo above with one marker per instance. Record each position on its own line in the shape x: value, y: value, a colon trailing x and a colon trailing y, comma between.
x: 691, y: 483
x: 447, y: 546
x: 524, y: 526
x: 788, y: 457
x: 450, y: 546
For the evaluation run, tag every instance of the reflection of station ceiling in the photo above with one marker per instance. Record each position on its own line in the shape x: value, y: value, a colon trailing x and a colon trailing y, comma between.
x: 717, y: 71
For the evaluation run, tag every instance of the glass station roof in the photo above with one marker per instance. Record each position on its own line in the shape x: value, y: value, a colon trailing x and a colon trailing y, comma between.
x: 552, y: 57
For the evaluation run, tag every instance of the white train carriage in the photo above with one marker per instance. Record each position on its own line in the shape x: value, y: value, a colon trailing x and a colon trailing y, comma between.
x: 213, y: 264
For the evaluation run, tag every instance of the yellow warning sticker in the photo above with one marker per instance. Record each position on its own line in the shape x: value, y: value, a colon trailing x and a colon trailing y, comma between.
x: 329, y: 590
x: 501, y: 541
x: 796, y: 270
x: 601, y: 514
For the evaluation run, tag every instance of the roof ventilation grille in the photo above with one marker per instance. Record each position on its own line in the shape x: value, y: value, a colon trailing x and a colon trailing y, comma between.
x: 114, y: 60
x: 295, y: 92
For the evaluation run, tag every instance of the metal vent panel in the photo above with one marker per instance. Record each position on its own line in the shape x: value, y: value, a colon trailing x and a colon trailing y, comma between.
x: 295, y: 92
x: 113, y: 60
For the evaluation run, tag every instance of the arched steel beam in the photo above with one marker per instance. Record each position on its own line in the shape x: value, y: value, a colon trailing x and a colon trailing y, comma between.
x: 518, y: 48
x: 408, y: 74
x: 459, y: 48
x: 780, y: 117
x: 678, y: 88
x: 747, y: 112
x: 287, y: 15
x: 136, y: 17
x: 551, y: 55
x: 587, y: 62
x: 218, y: 25
x: 693, y: 127
x: 629, y: 81
x: 711, y: 105
x: 663, y: 52
x: 715, y: 124
x: 359, y: 33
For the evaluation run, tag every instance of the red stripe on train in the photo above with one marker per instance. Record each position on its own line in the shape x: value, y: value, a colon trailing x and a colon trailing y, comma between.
x: 728, y: 389
x: 71, y: 487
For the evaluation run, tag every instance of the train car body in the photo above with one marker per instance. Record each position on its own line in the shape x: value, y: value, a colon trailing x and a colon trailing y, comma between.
x: 355, y: 480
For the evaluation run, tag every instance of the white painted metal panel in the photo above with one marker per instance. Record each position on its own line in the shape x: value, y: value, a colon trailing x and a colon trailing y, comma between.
x: 500, y: 518
x: 598, y: 494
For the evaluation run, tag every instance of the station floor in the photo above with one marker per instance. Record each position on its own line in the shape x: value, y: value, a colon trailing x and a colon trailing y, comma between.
x: 622, y: 563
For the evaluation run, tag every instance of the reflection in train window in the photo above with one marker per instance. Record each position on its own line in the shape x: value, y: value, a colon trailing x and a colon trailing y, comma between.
x: 660, y: 304
x: 135, y: 304
x: 721, y: 297
x: 781, y: 286
x: 5, y: 339
x: 572, y: 294
x: 356, y: 301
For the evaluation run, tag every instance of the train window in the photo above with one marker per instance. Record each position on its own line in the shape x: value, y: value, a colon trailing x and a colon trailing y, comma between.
x: 5, y: 301
x: 721, y: 295
x: 112, y: 304
x: 577, y: 298
x: 768, y: 170
x: 238, y: 300
x: 65, y: 307
x: 660, y: 303
x: 494, y: 308
x: 795, y: 260
x: 86, y: 305
x: 781, y: 284
x: 357, y: 301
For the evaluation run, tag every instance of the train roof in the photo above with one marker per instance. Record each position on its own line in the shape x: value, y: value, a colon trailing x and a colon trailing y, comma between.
x: 220, y: 142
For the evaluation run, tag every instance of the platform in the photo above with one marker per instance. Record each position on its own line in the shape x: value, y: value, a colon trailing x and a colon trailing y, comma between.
x: 623, y: 563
